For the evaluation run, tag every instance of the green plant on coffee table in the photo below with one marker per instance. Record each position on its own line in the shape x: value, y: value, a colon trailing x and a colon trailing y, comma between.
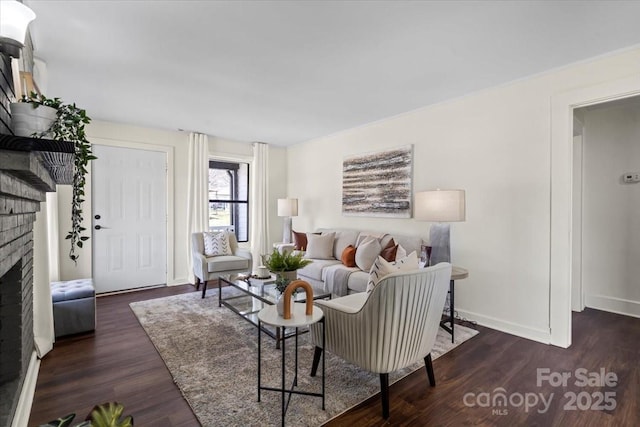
x: 69, y: 126
x: 288, y: 261
x: 105, y: 415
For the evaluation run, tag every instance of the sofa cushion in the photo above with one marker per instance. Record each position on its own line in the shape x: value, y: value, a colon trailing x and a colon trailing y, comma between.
x: 314, y: 270
x: 216, y: 243
x: 358, y: 281
x: 227, y: 263
x: 320, y: 247
x: 367, y: 252
x: 382, y: 268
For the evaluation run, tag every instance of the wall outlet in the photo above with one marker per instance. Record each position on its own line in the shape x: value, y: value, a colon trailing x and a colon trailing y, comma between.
x: 631, y: 177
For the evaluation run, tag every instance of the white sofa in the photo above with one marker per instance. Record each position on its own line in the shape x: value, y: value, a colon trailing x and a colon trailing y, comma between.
x: 330, y: 275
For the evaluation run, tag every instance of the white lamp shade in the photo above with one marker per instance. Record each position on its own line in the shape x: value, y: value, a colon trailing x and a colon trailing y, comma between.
x: 440, y: 206
x: 14, y: 19
x: 287, y: 207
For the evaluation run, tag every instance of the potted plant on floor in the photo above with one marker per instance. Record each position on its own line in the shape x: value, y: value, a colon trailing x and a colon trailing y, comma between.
x: 68, y: 125
x: 105, y: 415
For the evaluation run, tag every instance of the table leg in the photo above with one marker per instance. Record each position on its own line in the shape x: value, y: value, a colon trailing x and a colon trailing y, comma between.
x: 451, y: 306
x: 295, y: 378
x: 259, y: 354
x: 219, y: 292
x: 324, y: 325
x: 450, y: 319
x: 283, y: 377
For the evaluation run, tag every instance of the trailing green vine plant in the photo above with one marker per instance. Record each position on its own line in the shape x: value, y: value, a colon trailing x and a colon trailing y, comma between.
x: 69, y: 126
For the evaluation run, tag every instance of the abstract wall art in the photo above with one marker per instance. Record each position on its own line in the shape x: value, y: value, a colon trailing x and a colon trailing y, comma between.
x: 378, y: 184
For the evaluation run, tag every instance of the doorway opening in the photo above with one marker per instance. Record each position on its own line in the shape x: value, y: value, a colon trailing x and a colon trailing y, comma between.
x: 605, y: 202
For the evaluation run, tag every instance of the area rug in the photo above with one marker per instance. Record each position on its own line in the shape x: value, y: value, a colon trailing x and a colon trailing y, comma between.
x: 212, y: 355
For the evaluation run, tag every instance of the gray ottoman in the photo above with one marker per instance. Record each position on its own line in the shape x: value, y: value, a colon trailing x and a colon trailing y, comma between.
x: 74, y: 306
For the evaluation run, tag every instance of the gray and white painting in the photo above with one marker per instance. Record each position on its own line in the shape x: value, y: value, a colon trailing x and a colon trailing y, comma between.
x: 378, y: 184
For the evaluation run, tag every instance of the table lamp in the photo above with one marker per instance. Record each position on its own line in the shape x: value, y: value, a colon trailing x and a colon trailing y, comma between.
x: 440, y: 207
x: 287, y: 208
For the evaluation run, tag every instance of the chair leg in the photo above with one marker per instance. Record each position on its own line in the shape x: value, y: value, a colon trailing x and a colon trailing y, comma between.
x: 204, y: 288
x: 384, y: 394
x: 428, y: 363
x: 316, y: 360
x: 197, y: 283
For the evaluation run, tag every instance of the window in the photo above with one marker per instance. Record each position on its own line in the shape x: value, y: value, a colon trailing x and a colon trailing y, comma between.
x: 229, y: 198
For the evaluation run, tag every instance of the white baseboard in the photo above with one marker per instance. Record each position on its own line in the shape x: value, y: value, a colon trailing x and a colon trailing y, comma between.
x: 23, y: 410
x: 539, y: 335
x: 613, y: 305
x: 179, y: 281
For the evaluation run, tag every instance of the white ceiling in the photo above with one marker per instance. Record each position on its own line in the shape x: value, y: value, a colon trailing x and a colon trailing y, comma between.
x: 284, y: 72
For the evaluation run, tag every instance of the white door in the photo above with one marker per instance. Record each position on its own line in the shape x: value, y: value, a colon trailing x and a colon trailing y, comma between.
x: 129, y: 195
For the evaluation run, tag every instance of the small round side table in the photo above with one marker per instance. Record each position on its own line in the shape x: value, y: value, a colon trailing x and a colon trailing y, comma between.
x: 269, y: 315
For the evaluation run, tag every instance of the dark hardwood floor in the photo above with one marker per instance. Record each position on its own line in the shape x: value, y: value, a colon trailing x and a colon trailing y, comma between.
x: 119, y: 363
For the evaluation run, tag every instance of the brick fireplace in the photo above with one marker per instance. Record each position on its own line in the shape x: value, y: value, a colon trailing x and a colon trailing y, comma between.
x: 24, y: 181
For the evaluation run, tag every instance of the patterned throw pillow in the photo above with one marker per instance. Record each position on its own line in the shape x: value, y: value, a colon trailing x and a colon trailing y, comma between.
x: 216, y: 243
x: 382, y: 268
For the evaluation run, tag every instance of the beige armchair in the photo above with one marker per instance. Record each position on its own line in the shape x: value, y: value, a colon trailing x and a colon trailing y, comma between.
x: 209, y: 268
x: 389, y: 328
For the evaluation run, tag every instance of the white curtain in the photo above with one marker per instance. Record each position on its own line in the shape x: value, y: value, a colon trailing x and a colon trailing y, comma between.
x: 260, y: 203
x: 53, y: 234
x: 197, y: 191
x: 43, y: 332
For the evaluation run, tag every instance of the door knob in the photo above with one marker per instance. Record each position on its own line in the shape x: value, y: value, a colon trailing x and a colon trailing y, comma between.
x: 97, y: 217
x: 97, y: 227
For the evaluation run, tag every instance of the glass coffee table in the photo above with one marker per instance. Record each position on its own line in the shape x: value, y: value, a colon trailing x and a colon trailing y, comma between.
x: 254, y: 296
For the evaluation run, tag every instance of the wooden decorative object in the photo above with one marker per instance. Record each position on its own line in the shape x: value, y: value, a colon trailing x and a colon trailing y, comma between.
x: 288, y: 292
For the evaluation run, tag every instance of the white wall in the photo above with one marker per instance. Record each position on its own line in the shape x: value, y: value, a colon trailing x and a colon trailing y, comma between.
x: 177, y: 143
x: 496, y: 145
x: 611, y: 227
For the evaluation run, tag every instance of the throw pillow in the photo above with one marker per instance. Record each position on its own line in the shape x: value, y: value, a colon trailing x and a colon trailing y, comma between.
x: 382, y: 268
x: 401, y: 252
x: 299, y: 240
x: 216, y: 243
x: 389, y: 252
x: 320, y: 247
x: 348, y: 257
x: 367, y: 252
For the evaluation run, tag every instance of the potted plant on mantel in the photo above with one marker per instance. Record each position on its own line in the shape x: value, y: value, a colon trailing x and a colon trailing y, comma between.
x: 67, y: 124
x: 284, y: 266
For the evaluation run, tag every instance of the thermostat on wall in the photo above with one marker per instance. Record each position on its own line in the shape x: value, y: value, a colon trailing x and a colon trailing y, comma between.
x: 631, y: 177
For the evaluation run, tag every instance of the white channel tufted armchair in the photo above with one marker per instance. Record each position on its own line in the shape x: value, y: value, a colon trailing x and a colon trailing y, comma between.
x: 209, y: 268
x: 389, y: 328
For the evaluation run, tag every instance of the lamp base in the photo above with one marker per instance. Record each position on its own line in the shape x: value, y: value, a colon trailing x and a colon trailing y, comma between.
x: 286, y: 233
x: 440, y: 243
